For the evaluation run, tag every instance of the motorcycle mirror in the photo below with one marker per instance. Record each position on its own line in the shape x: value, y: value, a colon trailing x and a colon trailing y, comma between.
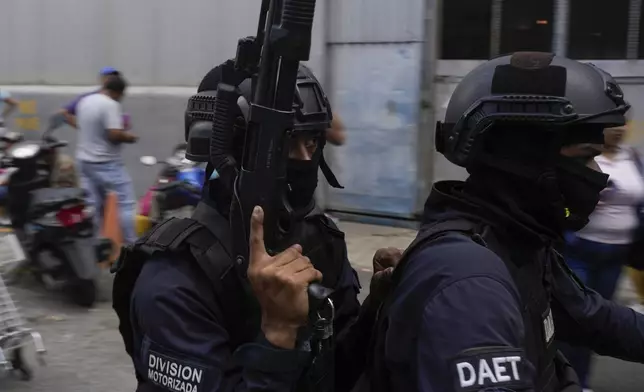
x: 148, y: 160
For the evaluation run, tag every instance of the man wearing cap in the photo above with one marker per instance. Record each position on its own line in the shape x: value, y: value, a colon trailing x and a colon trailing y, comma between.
x: 69, y: 111
x: 101, y: 135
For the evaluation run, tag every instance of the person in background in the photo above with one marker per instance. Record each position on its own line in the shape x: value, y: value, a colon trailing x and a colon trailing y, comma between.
x: 64, y: 174
x: 98, y: 154
x: 597, y: 253
x: 637, y: 277
x: 336, y: 135
x: 69, y: 111
x: 7, y: 106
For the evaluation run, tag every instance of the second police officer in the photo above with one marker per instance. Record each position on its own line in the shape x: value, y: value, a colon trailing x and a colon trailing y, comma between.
x: 482, y: 294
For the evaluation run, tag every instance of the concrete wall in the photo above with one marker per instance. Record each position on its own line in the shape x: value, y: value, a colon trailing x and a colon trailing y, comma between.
x: 154, y: 42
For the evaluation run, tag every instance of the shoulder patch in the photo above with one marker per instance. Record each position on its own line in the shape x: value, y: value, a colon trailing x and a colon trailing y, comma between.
x: 174, y: 371
x: 548, y: 326
x: 490, y: 369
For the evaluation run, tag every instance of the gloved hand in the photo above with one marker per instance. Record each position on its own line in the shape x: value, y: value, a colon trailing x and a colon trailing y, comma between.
x: 384, y: 262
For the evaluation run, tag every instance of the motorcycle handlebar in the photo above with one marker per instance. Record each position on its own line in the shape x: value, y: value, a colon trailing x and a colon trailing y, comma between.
x: 56, y: 144
x: 55, y: 121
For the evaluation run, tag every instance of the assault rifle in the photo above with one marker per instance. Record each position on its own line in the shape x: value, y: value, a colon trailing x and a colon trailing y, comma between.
x: 271, y: 60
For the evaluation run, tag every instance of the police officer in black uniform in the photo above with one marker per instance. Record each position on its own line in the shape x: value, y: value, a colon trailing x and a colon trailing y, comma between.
x: 482, y: 293
x: 188, y: 316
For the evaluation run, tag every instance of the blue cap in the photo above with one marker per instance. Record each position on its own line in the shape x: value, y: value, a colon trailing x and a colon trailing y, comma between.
x: 108, y: 71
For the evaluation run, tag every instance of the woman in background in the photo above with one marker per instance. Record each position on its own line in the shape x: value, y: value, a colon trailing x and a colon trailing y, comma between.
x: 637, y: 277
x: 336, y: 135
x: 597, y: 253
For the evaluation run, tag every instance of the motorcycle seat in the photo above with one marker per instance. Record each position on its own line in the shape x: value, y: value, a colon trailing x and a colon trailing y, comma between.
x: 57, y: 195
x: 49, y: 199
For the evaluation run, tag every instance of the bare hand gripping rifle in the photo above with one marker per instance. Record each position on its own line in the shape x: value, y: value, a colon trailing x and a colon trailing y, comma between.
x: 271, y: 60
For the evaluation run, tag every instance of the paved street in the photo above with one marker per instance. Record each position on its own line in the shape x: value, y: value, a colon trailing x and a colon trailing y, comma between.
x: 86, y: 352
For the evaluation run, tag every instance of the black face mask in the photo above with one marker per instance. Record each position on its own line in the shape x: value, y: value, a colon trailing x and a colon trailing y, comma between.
x: 580, y: 187
x: 302, y: 178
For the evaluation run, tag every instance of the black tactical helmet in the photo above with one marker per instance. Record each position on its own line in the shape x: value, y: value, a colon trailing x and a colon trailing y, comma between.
x: 198, y: 125
x: 533, y: 89
x: 312, y: 112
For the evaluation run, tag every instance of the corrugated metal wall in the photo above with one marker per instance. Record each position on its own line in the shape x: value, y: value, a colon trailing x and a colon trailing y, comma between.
x: 154, y: 42
x: 375, y: 54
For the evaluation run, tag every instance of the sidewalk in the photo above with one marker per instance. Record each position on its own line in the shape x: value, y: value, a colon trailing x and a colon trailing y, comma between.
x: 363, y: 241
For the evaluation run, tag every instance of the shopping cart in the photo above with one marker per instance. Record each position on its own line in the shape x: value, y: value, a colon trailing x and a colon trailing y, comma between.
x: 14, y: 335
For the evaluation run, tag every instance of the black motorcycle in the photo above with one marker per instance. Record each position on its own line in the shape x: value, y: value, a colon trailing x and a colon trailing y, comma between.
x: 54, y: 224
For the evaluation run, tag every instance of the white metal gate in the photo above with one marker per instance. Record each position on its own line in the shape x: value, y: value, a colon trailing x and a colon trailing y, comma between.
x: 374, y: 57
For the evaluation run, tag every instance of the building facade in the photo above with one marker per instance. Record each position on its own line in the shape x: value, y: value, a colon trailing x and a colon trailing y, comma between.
x: 389, y: 68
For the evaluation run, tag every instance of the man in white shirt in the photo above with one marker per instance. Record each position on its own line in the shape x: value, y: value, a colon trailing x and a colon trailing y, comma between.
x: 101, y: 136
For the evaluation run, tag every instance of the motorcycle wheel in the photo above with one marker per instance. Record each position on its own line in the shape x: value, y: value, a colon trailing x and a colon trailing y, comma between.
x: 52, y: 277
x: 83, y: 292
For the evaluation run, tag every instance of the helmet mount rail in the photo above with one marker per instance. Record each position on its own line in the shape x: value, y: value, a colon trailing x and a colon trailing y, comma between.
x: 549, y: 111
x: 534, y: 91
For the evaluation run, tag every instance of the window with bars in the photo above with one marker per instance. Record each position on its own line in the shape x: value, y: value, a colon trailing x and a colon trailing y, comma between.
x: 635, y: 30
x: 594, y: 30
x: 466, y: 29
x: 526, y: 25
x: 598, y: 31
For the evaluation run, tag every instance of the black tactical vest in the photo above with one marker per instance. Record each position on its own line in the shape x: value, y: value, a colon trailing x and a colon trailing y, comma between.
x: 532, y: 275
x: 205, y: 239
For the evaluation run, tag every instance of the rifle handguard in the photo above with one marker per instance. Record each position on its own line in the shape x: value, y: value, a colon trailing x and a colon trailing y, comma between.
x: 222, y: 137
